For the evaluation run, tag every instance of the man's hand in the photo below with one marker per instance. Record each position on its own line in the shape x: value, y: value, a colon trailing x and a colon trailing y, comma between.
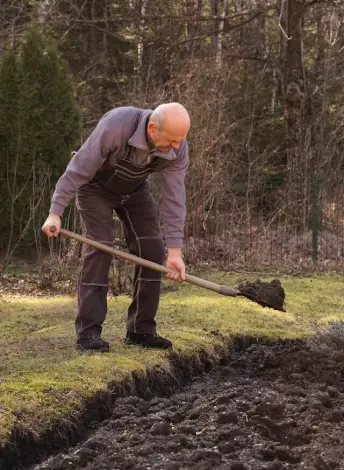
x: 53, y: 219
x: 175, y: 262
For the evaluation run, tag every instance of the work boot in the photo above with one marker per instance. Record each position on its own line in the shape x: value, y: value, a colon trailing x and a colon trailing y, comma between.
x: 147, y: 341
x: 92, y: 343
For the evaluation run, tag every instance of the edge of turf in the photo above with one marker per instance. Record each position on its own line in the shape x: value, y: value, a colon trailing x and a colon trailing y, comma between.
x: 24, y: 448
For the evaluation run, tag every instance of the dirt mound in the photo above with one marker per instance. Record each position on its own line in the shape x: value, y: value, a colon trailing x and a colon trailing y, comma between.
x: 273, y: 406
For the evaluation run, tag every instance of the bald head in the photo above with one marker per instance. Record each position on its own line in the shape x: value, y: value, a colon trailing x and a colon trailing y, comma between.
x: 168, y: 125
x: 170, y: 114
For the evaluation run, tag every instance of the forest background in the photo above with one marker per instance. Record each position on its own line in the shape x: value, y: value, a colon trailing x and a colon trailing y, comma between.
x: 264, y: 84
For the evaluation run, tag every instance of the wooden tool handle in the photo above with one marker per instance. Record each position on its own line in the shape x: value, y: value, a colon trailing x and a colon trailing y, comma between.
x: 148, y: 264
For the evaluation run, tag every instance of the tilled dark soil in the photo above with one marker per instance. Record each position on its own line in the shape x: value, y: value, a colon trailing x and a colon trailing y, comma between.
x: 271, y: 407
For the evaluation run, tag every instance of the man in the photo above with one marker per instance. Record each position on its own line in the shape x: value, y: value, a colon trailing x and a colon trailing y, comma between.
x: 109, y: 173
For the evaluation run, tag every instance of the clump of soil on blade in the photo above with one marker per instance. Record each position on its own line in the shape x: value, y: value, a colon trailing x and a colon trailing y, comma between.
x: 267, y: 294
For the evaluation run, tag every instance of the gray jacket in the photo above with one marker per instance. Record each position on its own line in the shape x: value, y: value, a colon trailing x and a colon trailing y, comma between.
x: 106, y: 145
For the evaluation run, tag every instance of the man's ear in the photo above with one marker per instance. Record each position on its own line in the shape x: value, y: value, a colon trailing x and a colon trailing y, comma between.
x: 152, y: 127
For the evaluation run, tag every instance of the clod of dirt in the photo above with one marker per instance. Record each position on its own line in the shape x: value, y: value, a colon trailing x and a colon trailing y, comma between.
x: 270, y: 409
x: 236, y: 465
x: 231, y: 417
x: 267, y: 294
x: 320, y: 464
x: 161, y: 428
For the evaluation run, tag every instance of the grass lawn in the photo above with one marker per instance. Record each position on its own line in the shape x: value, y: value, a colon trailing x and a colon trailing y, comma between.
x: 43, y: 379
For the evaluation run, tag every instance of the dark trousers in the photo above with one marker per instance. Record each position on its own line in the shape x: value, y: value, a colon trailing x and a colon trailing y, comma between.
x: 138, y: 213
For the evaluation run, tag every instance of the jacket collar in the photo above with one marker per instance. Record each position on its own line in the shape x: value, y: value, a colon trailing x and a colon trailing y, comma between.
x: 139, y: 138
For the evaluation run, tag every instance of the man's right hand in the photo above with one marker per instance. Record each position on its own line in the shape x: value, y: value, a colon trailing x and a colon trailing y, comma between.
x: 55, y: 220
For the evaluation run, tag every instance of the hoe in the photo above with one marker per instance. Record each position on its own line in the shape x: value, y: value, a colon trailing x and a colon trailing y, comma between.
x: 267, y: 294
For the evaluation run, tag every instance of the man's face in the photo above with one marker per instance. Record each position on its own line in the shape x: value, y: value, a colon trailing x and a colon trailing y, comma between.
x: 166, y: 139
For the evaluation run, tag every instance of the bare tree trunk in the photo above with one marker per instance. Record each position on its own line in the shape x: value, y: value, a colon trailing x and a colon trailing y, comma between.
x: 141, y: 34
x: 219, y: 19
x: 295, y: 100
x: 42, y: 13
x: 193, y: 9
x: 221, y: 23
